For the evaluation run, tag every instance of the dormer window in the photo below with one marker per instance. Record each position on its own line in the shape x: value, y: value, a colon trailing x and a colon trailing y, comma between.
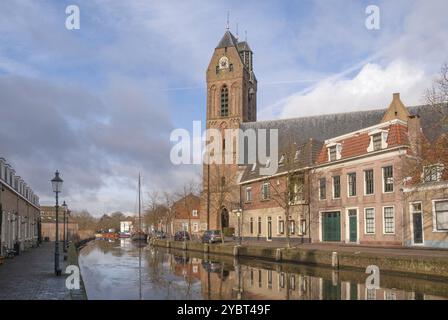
x: 334, y: 151
x: 433, y: 173
x: 378, y: 140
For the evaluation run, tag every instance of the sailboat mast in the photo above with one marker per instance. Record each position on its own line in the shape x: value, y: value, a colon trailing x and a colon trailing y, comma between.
x: 139, y: 203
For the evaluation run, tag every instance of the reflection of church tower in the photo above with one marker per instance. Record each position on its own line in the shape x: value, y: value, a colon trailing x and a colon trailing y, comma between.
x: 231, y: 100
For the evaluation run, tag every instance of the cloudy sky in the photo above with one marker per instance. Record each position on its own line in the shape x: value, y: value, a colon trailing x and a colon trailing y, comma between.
x: 99, y: 103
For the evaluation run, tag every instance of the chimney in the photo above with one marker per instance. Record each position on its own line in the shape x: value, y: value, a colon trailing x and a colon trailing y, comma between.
x: 415, y: 134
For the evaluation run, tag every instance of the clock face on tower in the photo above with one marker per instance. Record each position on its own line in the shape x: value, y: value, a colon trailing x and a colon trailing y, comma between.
x: 223, y: 63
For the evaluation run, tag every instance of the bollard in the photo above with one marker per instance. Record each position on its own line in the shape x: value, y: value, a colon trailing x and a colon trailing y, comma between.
x: 168, y: 244
x: 278, y: 254
x: 184, y: 245
x: 335, y: 260
x: 236, y: 251
x: 206, y: 248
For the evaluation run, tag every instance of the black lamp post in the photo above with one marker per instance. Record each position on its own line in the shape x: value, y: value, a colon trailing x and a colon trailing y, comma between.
x: 56, y: 183
x: 64, y: 242
x: 68, y: 234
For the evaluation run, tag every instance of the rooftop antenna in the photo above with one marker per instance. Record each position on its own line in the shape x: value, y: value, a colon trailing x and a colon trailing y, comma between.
x: 237, y: 35
x: 228, y: 20
x: 245, y: 35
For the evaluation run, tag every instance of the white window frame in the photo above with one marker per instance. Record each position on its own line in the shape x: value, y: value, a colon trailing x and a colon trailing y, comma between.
x: 348, y: 184
x: 365, y: 182
x: 195, y: 227
x: 279, y: 219
x: 264, y: 196
x: 384, y: 135
x: 320, y: 188
x: 248, y: 191
x: 338, y: 148
x: 384, y: 221
x: 384, y: 181
x: 365, y: 221
x: 333, y: 189
x: 438, y: 178
x: 194, y: 213
x: 434, y: 220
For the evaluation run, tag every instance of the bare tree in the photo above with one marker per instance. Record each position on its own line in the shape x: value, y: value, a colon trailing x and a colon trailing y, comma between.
x: 289, y: 188
x: 223, y: 189
x: 168, y: 201
x: 152, y: 212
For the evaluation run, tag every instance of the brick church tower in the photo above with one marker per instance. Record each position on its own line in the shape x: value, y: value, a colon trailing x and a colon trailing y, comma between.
x: 231, y: 100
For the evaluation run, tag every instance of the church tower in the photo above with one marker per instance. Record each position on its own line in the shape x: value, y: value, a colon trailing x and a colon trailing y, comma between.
x: 231, y: 100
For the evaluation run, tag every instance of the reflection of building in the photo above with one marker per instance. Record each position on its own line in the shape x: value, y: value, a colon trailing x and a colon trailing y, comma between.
x: 19, y: 211
x: 186, y: 217
x: 48, y: 218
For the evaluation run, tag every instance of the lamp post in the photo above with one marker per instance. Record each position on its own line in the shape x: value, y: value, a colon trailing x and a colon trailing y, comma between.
x: 238, y: 214
x: 64, y: 247
x: 68, y: 235
x: 56, y: 183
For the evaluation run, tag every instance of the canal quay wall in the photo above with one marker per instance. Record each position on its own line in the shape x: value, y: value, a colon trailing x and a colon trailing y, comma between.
x: 72, y: 259
x: 424, y: 266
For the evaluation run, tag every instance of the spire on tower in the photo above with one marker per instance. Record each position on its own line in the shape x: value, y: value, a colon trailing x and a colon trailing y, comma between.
x: 237, y: 34
x: 228, y: 20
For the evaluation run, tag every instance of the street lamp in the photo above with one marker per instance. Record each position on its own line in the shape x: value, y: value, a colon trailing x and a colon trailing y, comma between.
x: 238, y: 214
x: 56, y: 183
x: 64, y: 247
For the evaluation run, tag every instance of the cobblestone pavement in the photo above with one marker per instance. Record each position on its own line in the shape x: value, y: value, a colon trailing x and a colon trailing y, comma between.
x: 30, y: 276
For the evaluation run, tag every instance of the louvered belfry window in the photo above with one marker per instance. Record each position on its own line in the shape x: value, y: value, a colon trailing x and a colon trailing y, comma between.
x: 224, y: 101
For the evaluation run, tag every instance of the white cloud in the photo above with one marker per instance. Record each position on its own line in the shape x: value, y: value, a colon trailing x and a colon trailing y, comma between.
x: 371, y: 88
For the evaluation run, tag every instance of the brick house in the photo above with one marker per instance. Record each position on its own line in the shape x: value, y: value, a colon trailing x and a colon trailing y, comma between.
x: 357, y: 182
x: 277, y: 206
x: 426, y: 197
x: 19, y: 211
x: 185, y: 212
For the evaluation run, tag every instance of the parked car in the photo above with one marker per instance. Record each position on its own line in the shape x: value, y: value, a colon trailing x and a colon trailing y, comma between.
x: 212, y: 236
x: 159, y: 235
x: 181, y: 236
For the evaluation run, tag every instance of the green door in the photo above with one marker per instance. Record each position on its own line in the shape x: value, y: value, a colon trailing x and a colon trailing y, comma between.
x: 353, y: 225
x: 331, y: 226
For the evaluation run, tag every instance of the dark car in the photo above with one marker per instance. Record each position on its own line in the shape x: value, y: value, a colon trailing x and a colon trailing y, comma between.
x: 159, y: 235
x: 181, y: 236
x: 212, y: 236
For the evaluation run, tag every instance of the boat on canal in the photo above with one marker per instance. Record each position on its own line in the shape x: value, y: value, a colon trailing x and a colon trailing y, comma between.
x: 139, y: 234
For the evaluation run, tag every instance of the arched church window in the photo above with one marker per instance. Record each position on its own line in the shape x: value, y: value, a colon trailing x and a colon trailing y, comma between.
x: 224, y: 101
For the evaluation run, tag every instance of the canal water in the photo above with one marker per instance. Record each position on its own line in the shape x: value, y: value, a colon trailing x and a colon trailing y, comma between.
x: 124, y: 270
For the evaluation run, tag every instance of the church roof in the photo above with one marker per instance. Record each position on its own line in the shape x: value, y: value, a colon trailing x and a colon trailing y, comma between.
x: 324, y: 127
x: 243, y: 46
x: 228, y: 40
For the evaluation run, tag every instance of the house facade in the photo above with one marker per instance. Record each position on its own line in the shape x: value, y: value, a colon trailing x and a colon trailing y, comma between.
x: 185, y: 212
x: 19, y: 212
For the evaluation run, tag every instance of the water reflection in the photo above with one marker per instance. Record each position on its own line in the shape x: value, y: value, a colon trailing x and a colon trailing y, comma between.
x: 125, y: 270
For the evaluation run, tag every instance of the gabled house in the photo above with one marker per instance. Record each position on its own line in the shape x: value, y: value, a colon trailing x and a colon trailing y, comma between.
x: 358, y: 181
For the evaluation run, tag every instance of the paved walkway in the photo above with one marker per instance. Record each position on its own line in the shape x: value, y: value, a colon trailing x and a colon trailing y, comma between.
x: 30, y: 276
